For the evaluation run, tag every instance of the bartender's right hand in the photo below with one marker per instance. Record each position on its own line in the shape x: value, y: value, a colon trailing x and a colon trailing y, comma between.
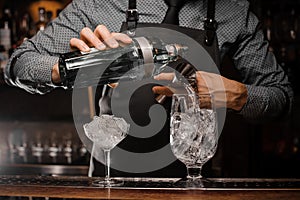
x: 101, y: 38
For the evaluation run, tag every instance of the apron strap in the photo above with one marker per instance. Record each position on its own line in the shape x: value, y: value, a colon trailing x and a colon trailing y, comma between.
x: 132, y: 17
x: 132, y: 4
x: 210, y: 24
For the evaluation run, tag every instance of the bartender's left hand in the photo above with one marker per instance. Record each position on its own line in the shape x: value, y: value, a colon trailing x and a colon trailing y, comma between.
x: 229, y: 93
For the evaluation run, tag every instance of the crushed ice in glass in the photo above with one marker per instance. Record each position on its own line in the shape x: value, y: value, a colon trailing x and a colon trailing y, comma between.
x: 106, y: 131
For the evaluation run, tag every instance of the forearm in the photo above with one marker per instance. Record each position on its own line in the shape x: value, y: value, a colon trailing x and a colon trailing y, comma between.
x: 30, y: 70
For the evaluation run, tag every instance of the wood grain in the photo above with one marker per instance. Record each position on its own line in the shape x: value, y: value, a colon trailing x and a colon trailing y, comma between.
x: 45, y: 188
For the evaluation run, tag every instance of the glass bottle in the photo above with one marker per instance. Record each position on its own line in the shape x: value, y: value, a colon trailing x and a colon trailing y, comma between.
x: 5, y: 29
x: 144, y: 57
x: 293, y: 24
x: 49, y: 16
x: 41, y: 24
x: 269, y: 30
x: 24, y: 27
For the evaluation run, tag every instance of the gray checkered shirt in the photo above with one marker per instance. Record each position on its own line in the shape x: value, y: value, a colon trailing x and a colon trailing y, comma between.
x: 269, y: 92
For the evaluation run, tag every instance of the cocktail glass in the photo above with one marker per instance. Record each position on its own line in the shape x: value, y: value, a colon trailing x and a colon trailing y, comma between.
x: 106, y: 131
x: 194, y: 136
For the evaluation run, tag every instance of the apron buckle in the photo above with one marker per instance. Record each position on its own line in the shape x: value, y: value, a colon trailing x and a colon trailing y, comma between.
x: 132, y: 18
x: 210, y: 25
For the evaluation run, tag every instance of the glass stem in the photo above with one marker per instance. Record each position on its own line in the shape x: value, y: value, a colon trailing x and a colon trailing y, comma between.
x: 194, y: 172
x: 107, y: 165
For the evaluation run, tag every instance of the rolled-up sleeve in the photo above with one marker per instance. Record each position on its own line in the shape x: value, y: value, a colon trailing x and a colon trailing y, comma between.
x: 270, y: 94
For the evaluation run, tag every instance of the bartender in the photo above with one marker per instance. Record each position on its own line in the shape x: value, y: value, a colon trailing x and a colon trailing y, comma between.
x: 228, y: 27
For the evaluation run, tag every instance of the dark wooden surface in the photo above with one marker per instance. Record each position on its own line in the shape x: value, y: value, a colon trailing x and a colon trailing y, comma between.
x: 100, y: 193
x: 80, y: 187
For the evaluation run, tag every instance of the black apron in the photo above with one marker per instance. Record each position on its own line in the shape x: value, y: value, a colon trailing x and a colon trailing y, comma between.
x: 143, y: 98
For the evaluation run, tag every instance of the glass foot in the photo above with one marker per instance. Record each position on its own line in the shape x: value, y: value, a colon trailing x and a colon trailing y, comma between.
x: 193, y: 183
x: 107, y: 182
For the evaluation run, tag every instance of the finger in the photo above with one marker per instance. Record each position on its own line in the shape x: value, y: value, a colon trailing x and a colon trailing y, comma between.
x: 162, y: 90
x: 88, y: 36
x: 76, y: 43
x: 113, y: 85
x: 205, y: 104
x: 102, y: 32
x: 205, y: 101
x: 164, y: 76
x: 121, y: 37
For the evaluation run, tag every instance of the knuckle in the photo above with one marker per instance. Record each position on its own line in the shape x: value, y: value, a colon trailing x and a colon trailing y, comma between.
x: 114, y: 34
x: 101, y: 28
x: 84, y: 31
x: 72, y: 40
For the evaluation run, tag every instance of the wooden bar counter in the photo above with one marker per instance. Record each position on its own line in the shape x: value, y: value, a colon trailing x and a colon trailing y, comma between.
x: 145, y: 188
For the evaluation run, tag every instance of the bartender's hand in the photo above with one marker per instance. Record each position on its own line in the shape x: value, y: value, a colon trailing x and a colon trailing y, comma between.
x: 229, y: 93
x: 101, y: 38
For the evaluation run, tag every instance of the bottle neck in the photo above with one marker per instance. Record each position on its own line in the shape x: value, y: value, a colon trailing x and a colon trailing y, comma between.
x: 6, y: 25
x: 42, y: 19
x: 42, y: 16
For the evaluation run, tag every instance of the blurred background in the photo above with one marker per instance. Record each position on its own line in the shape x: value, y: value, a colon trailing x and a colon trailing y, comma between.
x: 38, y: 135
